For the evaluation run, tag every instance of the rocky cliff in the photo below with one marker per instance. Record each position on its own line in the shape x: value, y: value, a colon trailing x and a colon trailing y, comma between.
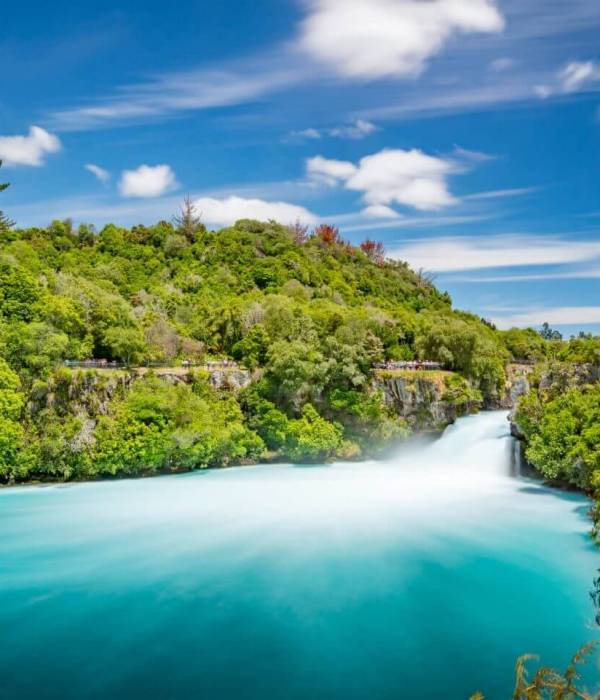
x: 550, y: 379
x: 428, y: 400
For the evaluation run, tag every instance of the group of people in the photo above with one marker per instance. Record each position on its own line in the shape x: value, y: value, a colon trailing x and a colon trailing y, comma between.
x: 408, y: 364
x: 102, y: 364
x: 107, y: 364
x: 216, y: 364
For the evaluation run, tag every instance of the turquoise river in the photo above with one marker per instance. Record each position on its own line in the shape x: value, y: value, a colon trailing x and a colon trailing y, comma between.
x: 421, y: 576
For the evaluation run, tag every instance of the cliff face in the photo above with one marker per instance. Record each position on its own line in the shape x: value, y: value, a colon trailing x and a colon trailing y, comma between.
x: 427, y: 400
x: 552, y: 379
x: 85, y: 395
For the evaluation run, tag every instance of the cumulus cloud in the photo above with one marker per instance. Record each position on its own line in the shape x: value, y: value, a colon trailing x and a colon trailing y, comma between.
x: 389, y: 38
x: 328, y: 170
x: 225, y: 212
x: 147, y: 181
x: 98, y: 172
x: 410, y: 178
x: 30, y: 149
x: 447, y: 254
x: 380, y: 211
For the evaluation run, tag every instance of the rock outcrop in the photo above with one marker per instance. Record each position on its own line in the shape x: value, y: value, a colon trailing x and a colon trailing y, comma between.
x: 426, y: 399
x: 552, y: 379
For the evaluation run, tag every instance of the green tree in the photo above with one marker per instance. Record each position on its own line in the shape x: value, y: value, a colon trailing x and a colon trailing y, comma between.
x: 126, y: 344
x: 548, y: 333
x: 312, y: 438
x: 12, y: 435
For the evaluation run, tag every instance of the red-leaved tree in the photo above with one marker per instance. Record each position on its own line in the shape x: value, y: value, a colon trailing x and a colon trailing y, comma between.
x: 374, y: 250
x: 328, y: 234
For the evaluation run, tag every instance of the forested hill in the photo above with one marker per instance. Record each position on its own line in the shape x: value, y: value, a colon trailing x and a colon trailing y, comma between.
x: 254, y: 292
x: 308, y: 314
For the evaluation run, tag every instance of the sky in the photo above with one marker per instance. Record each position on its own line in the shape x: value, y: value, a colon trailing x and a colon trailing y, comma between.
x: 463, y: 134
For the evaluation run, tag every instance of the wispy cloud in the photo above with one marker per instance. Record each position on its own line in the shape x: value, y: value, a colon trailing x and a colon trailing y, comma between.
x: 168, y: 94
x: 505, y: 50
x: 586, y: 273
x: 574, y: 76
x: 99, y: 173
x: 556, y: 316
x: 447, y: 254
x: 502, y: 194
x: 473, y: 156
x: 353, y: 130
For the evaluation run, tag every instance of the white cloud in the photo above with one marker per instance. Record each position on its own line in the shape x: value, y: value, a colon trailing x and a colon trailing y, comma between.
x: 572, y: 77
x: 175, y: 92
x: 357, y: 130
x: 329, y: 171
x: 383, y: 38
x: 501, y: 194
x: 147, y: 181
x: 307, y: 134
x: 228, y: 210
x: 30, y: 149
x: 557, y: 316
x: 581, y: 274
x: 575, y: 74
x: 98, y: 172
x: 380, y: 211
x: 410, y: 178
x: 472, y: 156
x: 447, y: 254
x: 501, y: 64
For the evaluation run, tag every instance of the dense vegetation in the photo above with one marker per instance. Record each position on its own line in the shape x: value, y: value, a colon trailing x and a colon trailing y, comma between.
x: 560, y: 421
x: 307, y: 314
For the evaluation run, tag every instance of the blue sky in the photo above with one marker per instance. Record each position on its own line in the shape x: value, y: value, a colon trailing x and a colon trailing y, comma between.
x: 464, y: 134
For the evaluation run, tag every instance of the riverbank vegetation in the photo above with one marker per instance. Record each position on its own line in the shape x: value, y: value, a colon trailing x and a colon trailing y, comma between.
x: 307, y: 314
x: 548, y: 683
x: 561, y: 425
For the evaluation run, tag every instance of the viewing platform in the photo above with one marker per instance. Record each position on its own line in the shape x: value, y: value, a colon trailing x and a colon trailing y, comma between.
x: 411, y: 365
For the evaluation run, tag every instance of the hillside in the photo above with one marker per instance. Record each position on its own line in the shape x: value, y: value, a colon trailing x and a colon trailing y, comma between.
x: 308, y: 315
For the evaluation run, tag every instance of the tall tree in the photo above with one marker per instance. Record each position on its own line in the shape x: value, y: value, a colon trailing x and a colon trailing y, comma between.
x: 5, y: 222
x: 188, y: 221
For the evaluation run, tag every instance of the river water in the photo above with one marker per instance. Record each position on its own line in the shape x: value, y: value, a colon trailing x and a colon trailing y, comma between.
x: 422, y: 576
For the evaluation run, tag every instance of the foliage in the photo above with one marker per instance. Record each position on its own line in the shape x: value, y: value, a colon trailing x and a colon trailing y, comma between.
x: 465, y: 345
x: 564, y: 435
x: 310, y: 314
x: 460, y: 393
x: 547, y: 683
x: 524, y: 344
x: 374, y: 250
x: 548, y: 333
x: 312, y: 438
